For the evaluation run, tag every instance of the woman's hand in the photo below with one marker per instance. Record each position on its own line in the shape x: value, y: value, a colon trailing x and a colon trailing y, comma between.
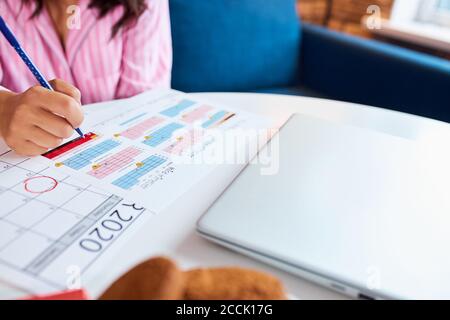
x: 39, y: 119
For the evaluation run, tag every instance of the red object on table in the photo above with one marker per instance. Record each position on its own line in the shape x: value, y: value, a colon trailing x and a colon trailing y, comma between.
x: 69, y: 146
x: 63, y: 295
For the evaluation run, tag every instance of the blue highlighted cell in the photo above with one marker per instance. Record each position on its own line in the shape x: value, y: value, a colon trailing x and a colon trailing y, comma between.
x: 85, y: 157
x: 131, y: 179
x: 176, y: 110
x: 162, y: 135
x: 214, y: 118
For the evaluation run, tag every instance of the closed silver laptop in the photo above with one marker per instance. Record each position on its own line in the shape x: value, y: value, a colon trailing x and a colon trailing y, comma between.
x: 360, y: 211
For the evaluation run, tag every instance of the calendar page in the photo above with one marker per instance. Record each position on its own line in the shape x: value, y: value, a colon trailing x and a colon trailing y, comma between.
x: 53, y: 227
x: 61, y: 212
x: 156, y: 151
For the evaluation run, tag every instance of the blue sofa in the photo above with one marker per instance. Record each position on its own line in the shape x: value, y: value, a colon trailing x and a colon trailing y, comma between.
x: 262, y: 46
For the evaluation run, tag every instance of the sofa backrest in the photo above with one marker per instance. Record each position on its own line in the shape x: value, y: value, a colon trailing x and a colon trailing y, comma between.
x: 234, y: 45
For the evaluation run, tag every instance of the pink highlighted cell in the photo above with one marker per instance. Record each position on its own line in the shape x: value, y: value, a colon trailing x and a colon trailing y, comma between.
x: 184, y: 142
x: 138, y: 130
x: 197, y: 114
x: 114, y: 163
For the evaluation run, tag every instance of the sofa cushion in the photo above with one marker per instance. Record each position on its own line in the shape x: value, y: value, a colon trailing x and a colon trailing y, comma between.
x: 364, y: 71
x: 234, y: 45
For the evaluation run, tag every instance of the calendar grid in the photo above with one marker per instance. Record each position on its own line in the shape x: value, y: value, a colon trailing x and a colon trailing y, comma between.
x: 44, y: 259
x: 85, y: 157
x: 55, y: 207
x: 138, y: 130
x: 188, y: 140
x: 177, y: 109
x: 162, y: 135
x: 214, y: 118
x: 36, y: 198
x: 132, y: 178
x: 114, y: 163
x: 14, y: 172
x: 11, y: 189
x: 197, y: 114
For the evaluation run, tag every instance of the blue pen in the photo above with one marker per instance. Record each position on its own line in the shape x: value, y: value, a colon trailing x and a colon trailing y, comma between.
x: 16, y: 45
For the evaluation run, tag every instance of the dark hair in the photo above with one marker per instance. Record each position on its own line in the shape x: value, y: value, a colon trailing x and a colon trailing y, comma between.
x: 132, y: 10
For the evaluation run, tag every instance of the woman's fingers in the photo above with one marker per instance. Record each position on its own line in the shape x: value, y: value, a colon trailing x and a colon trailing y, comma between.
x: 74, y: 112
x: 58, y: 103
x: 37, y: 119
x: 64, y: 106
x: 52, y: 123
x: 44, y: 139
x: 68, y: 89
x: 28, y: 148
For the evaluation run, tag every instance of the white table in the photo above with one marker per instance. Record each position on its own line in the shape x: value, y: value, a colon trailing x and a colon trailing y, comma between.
x: 172, y: 233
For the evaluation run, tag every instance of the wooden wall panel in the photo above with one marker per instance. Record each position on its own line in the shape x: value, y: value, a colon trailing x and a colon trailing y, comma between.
x: 341, y: 15
x: 346, y: 15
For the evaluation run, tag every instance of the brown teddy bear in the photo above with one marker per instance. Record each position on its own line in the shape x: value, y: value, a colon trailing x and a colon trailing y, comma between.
x: 161, y: 279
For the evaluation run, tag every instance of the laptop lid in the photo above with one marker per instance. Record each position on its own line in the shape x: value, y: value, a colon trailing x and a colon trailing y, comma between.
x: 363, y: 208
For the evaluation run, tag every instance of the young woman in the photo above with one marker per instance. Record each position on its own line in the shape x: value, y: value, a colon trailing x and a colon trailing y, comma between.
x: 102, y: 49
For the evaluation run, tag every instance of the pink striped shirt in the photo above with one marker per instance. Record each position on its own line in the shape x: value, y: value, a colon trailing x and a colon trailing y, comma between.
x: 139, y: 58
